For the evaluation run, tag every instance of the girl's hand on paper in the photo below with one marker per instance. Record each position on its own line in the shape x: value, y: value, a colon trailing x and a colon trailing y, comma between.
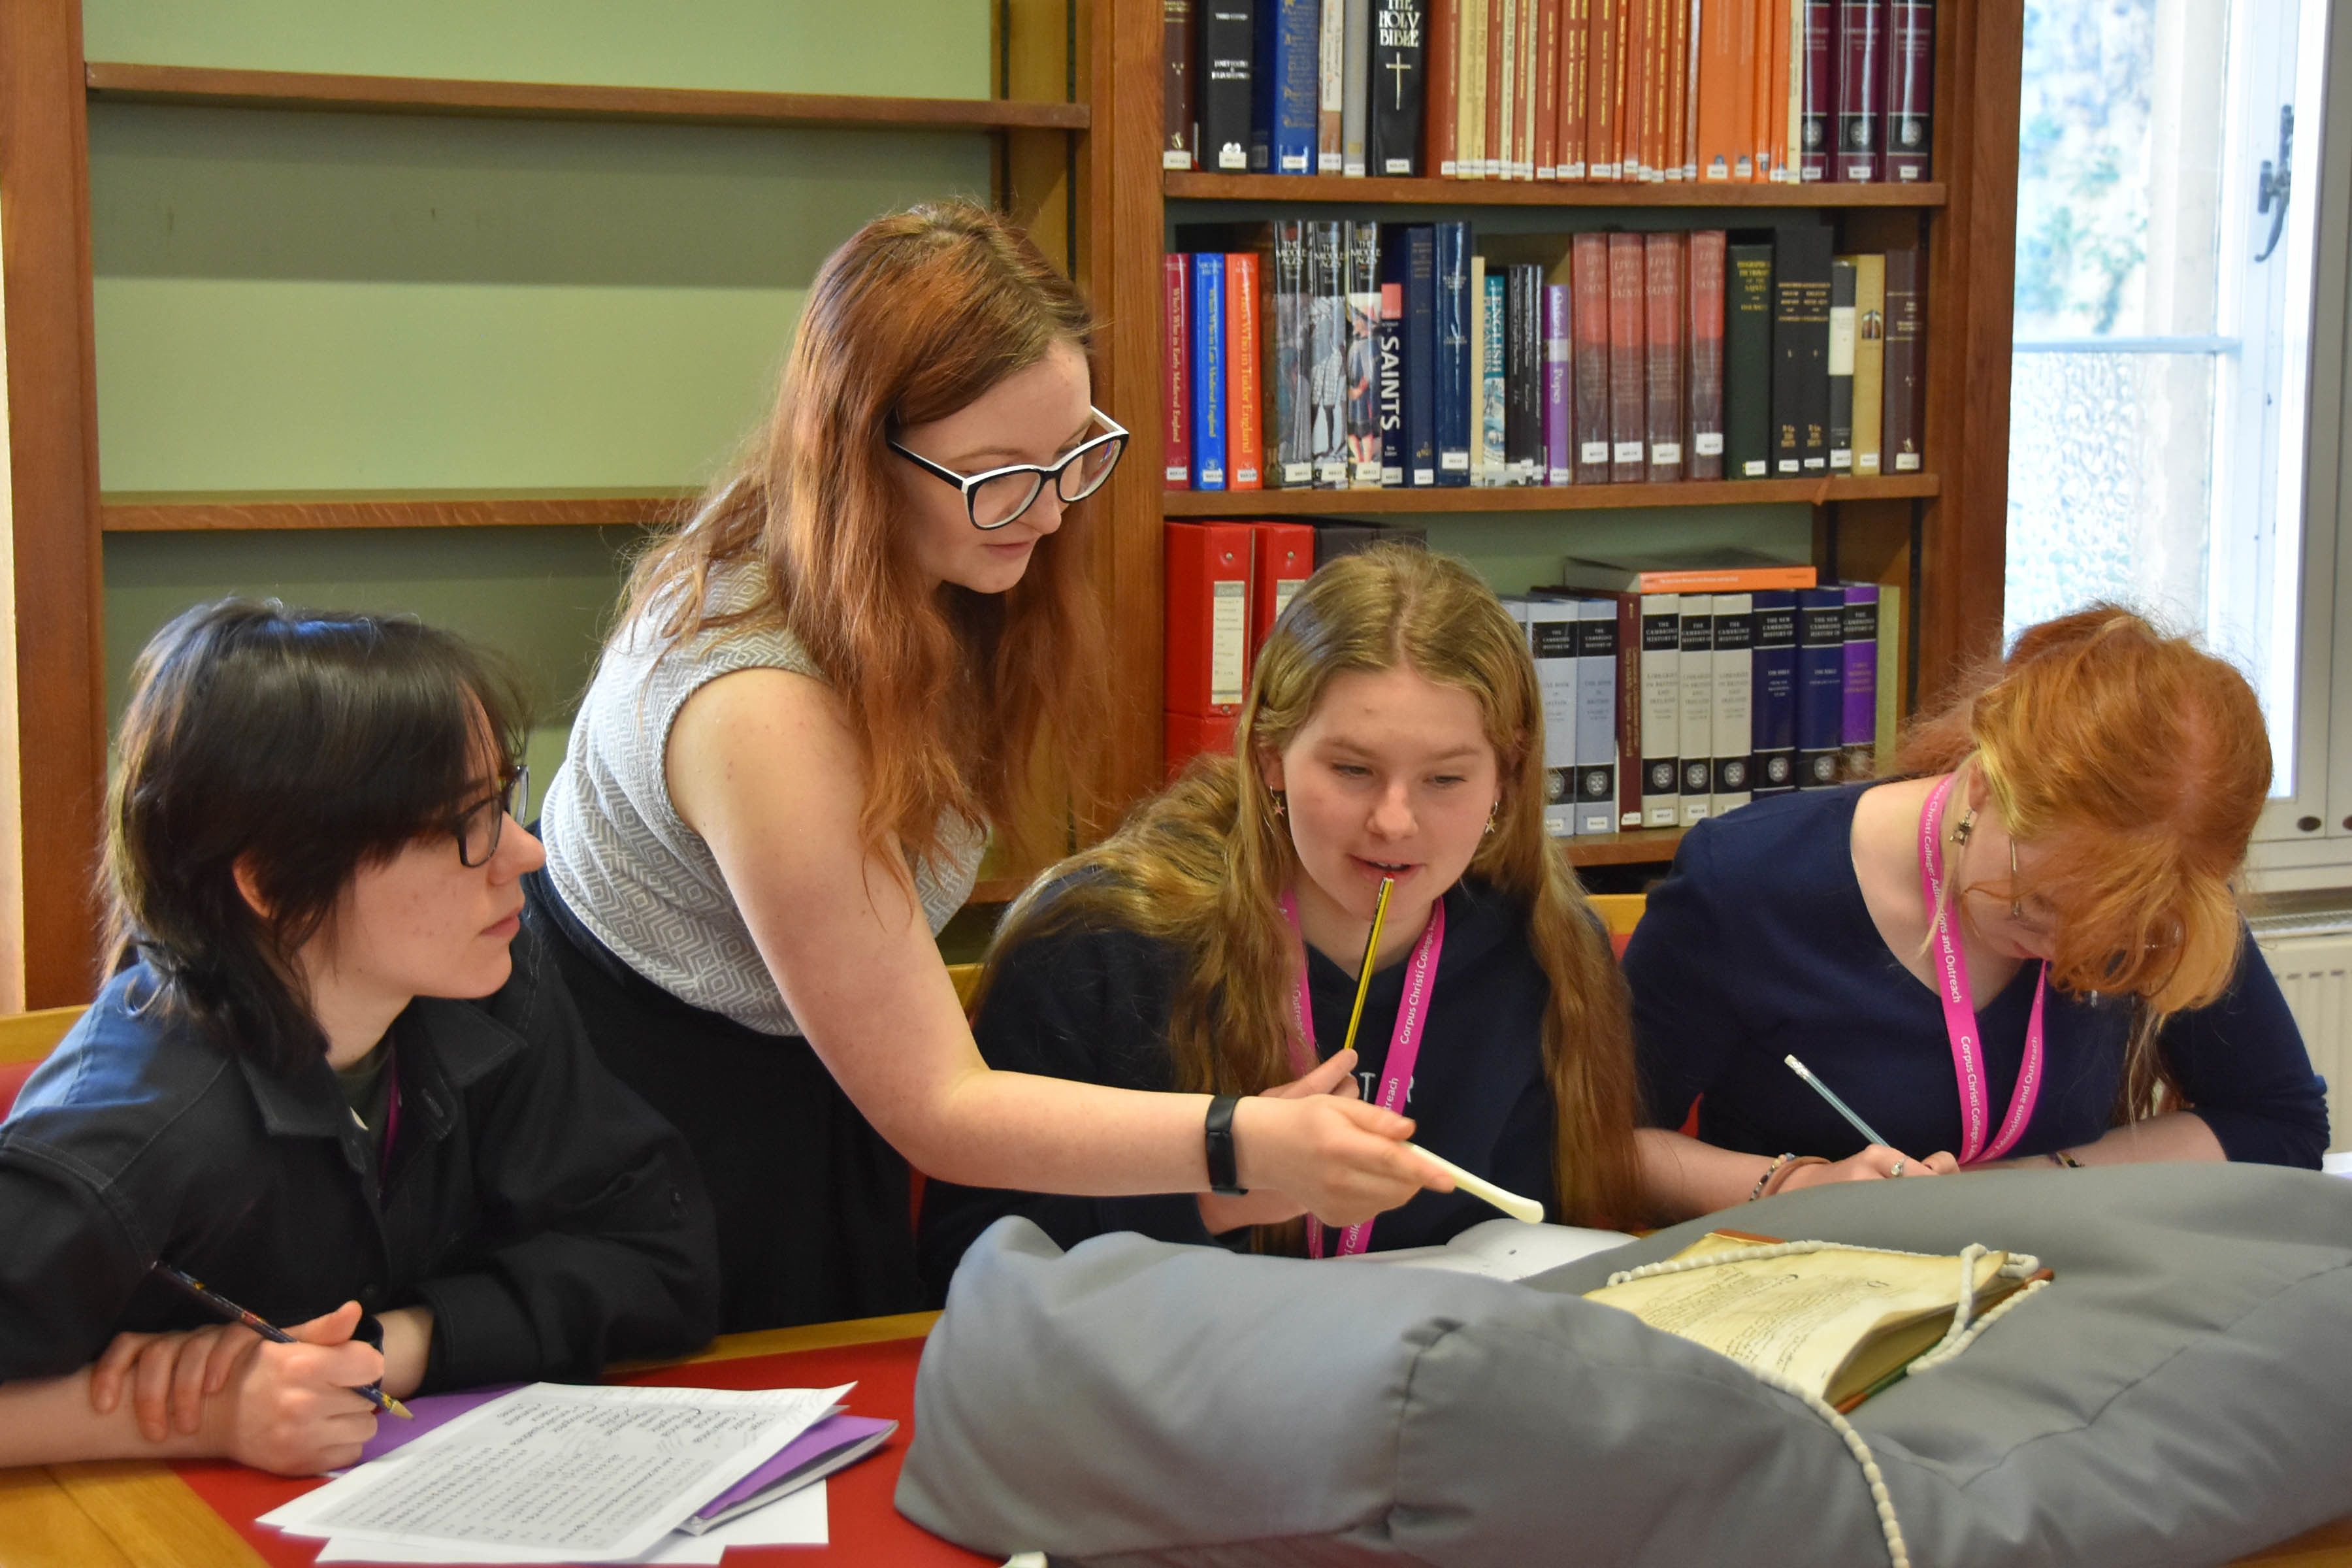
x: 293, y: 1409
x: 1874, y: 1164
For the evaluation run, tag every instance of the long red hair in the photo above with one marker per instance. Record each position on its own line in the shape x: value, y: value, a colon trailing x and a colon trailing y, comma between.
x: 955, y: 694
x: 2137, y: 764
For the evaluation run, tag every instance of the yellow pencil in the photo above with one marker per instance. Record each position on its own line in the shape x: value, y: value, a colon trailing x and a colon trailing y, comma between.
x: 1364, y: 974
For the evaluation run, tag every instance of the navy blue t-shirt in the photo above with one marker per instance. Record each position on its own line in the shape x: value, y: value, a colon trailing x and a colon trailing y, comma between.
x: 1759, y: 945
x: 1093, y: 1003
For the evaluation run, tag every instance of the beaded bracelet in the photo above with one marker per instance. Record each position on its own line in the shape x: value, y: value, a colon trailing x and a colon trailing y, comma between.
x: 1765, y: 1180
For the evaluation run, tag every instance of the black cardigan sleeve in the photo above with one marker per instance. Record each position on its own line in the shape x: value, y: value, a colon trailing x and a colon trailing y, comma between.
x: 1091, y: 1005
x: 598, y: 1241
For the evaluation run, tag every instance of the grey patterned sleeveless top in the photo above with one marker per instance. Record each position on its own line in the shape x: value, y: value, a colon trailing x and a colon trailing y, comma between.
x: 636, y: 875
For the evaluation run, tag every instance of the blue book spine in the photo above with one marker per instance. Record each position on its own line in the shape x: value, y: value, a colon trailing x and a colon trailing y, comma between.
x: 1389, y: 349
x: 1209, y: 372
x: 1773, y: 707
x: 1453, y: 357
x: 1289, y: 81
x: 1421, y: 356
x: 1821, y: 685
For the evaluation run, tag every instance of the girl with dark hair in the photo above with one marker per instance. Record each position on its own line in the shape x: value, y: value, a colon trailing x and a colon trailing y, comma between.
x: 330, y: 1077
x: 1392, y: 730
x: 857, y: 657
x: 2025, y: 950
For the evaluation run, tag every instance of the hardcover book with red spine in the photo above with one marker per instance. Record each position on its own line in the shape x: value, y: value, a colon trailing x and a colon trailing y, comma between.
x: 1244, y: 411
x: 1575, y: 57
x: 1629, y: 403
x: 1817, y: 129
x: 1176, y: 391
x: 1727, y: 91
x: 1679, y: 153
x: 1208, y: 593
x: 1444, y: 103
x: 1589, y: 368
x: 1909, y: 95
x: 1633, y: 97
x: 1861, y: 91
x: 1283, y: 559
x: 1779, y: 48
x: 1548, y: 32
x: 1662, y: 355
x: 1657, y: 85
x: 1904, y: 426
x: 1703, y: 457
x: 1176, y: 114
x: 1604, y: 86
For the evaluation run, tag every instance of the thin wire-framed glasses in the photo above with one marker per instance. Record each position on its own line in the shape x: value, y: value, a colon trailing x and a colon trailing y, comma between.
x: 996, y: 497
x: 479, y: 825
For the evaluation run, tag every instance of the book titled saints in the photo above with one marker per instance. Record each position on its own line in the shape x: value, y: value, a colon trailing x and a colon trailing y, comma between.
x: 1838, y: 1323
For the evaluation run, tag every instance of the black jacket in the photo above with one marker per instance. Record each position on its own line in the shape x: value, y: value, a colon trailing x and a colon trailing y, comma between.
x: 551, y: 1220
x: 1093, y: 1004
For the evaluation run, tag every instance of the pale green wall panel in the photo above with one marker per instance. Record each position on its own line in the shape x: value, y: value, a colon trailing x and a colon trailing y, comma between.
x: 1515, y: 552
x: 915, y: 47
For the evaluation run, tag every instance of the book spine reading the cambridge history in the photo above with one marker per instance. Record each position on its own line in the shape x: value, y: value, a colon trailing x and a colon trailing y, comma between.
x: 1327, y: 334
x: 1560, y: 458
x: 1862, y: 90
x: 1222, y: 86
x: 1735, y: 680
x: 1704, y: 460
x: 1176, y: 291
x: 1177, y: 64
x: 1662, y: 708
x: 1364, y: 237
x: 1748, y: 366
x: 1821, y: 685
x: 1454, y: 355
x: 1663, y: 336
x: 1596, y: 716
x: 1289, y: 458
x: 1629, y: 426
x: 1331, y: 81
x: 1818, y: 128
x: 1772, y: 704
x: 1588, y: 370
x: 1288, y: 83
x: 1904, y: 426
x: 1801, y: 351
x: 1869, y: 363
x: 1858, y: 724
x: 1399, y: 34
x: 1245, y: 416
x: 1421, y: 355
x: 1356, y: 86
x: 1841, y: 366
x: 1208, y: 371
x: 1910, y: 52
x: 1696, y: 746
x: 1392, y: 374
x: 1551, y: 628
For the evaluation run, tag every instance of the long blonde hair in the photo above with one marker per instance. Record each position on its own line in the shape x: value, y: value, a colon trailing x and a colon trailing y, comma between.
x: 956, y: 694
x: 1203, y: 865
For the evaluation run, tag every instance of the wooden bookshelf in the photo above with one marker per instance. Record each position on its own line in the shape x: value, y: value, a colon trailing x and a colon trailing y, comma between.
x: 1538, y: 193
x: 136, y: 512
x: 1641, y: 846
x: 117, y: 81
x: 1545, y: 497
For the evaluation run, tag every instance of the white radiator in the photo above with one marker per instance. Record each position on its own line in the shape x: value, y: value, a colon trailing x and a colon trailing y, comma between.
x: 2313, y: 961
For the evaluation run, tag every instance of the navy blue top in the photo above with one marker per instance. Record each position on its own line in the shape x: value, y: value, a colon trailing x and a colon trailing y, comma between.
x: 1758, y: 946
x: 1092, y: 1003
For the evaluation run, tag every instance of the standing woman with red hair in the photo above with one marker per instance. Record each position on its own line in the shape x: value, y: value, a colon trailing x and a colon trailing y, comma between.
x: 2025, y: 948
x: 871, y: 644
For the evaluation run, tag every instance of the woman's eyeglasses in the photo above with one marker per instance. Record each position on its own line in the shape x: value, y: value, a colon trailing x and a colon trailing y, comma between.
x: 999, y: 496
x: 479, y: 825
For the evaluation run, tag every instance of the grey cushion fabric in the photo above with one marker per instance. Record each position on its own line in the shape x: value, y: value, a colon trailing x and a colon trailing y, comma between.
x: 2181, y: 1395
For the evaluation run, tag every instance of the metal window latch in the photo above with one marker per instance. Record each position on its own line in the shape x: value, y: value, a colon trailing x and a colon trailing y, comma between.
x: 2277, y: 178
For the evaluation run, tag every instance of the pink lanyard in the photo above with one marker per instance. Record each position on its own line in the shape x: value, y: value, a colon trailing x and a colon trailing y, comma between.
x: 1404, y: 1043
x: 1960, y: 1011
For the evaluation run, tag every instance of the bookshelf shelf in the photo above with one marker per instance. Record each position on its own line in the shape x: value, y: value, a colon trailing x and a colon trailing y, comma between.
x: 1545, y: 497
x: 115, y: 82
x: 1287, y: 188
x: 1642, y: 846
x: 208, y: 512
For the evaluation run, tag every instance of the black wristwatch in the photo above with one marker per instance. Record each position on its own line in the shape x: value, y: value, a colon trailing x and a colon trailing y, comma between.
x: 1225, y: 1174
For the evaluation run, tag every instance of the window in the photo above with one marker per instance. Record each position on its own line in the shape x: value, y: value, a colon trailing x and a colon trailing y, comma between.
x: 2170, y: 209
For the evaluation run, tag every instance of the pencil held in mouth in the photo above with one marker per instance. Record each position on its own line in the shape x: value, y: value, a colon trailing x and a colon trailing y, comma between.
x: 1364, y: 971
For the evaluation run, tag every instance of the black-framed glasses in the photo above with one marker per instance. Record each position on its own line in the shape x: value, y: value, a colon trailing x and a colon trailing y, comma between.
x: 999, y: 496
x: 479, y: 825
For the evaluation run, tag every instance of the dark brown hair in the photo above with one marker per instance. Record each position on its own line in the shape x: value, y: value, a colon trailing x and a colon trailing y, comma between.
x: 303, y: 746
x: 957, y: 694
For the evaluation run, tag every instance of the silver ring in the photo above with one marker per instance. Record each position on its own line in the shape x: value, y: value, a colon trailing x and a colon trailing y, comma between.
x: 1896, y: 1168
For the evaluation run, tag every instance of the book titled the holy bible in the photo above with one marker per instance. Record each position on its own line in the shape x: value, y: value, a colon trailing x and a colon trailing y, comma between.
x: 1840, y: 1323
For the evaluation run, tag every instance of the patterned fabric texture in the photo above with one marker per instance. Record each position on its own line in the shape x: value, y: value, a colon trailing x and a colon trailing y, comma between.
x: 632, y: 871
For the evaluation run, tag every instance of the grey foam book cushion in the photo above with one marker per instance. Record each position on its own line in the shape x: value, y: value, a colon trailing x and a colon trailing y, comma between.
x: 2182, y: 1395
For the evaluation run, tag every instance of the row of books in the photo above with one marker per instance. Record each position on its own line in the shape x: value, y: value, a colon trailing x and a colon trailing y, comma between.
x: 1348, y: 354
x: 1652, y: 90
x: 1670, y: 693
